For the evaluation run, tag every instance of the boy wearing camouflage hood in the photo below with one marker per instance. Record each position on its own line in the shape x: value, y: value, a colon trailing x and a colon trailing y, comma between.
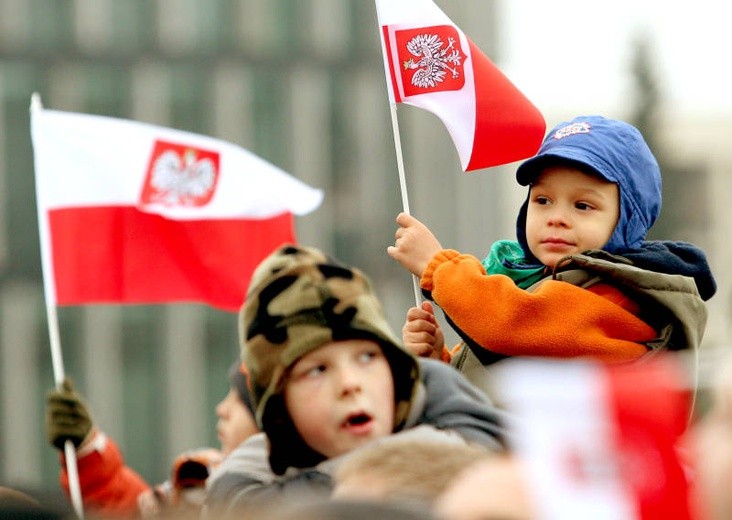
x: 327, y: 376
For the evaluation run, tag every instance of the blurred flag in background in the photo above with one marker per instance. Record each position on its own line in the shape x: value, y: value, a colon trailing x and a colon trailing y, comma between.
x: 135, y: 213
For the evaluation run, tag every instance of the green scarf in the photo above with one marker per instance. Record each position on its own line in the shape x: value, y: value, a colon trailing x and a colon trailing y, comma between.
x: 506, y: 257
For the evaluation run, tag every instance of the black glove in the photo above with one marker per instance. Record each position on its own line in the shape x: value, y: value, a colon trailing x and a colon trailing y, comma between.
x: 67, y: 416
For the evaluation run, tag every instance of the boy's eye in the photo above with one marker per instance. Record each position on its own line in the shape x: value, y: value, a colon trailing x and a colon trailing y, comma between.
x: 315, y: 371
x: 307, y: 371
x: 582, y: 205
x: 540, y: 199
x: 369, y: 355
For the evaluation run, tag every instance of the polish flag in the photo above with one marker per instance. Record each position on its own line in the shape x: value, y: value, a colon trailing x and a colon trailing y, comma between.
x: 431, y: 64
x: 135, y: 213
x: 600, y: 441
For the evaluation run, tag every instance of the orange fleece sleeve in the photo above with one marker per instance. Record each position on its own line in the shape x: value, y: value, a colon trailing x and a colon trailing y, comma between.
x: 558, y: 319
x: 109, y: 488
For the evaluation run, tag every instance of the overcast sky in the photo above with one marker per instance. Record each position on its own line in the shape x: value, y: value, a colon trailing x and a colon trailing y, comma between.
x: 576, y: 53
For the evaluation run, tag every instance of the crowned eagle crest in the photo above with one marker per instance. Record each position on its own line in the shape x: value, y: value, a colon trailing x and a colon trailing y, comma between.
x: 433, y: 59
x: 182, y: 180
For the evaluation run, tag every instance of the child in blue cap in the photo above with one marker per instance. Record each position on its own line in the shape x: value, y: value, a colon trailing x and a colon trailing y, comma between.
x: 580, y: 280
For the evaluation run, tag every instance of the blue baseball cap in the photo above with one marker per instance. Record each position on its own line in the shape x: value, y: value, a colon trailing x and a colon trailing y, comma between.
x: 617, y: 152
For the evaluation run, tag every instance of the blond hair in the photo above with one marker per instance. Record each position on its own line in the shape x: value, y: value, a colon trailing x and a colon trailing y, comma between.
x: 404, y: 468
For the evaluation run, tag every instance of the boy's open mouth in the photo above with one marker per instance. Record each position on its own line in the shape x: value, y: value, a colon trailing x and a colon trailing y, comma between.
x: 357, y: 419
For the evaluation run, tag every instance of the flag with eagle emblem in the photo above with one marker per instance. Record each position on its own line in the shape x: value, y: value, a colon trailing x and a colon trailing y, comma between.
x: 431, y: 64
x: 136, y: 213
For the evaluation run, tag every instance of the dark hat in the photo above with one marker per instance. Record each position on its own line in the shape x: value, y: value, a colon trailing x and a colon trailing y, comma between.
x: 617, y: 152
x: 239, y: 380
x: 299, y: 300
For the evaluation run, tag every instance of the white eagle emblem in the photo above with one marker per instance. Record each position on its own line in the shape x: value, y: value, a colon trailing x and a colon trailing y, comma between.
x: 181, y: 181
x: 434, y: 60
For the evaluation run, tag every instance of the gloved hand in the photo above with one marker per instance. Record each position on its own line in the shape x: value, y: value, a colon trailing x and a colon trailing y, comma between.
x: 67, y: 416
x: 191, y: 469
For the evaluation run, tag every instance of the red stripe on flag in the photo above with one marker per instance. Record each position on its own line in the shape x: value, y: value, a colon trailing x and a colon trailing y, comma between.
x: 122, y: 255
x: 508, y: 126
x: 392, y: 73
x: 652, y: 407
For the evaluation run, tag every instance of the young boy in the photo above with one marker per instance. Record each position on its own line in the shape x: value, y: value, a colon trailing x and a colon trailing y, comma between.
x: 327, y: 376
x: 581, y: 280
x: 112, y: 489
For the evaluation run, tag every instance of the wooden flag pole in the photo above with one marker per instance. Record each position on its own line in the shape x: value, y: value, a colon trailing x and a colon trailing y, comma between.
x: 55, y: 342
x: 403, y: 185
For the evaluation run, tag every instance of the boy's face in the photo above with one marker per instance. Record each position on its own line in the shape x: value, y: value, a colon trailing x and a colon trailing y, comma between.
x: 569, y: 212
x: 235, y: 422
x: 341, y: 396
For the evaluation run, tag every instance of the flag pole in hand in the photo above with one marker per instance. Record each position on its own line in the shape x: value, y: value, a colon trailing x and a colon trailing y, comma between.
x: 403, y: 185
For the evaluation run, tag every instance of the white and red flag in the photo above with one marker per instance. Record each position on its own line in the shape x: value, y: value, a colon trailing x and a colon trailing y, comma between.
x: 601, y: 441
x: 135, y: 213
x: 431, y: 64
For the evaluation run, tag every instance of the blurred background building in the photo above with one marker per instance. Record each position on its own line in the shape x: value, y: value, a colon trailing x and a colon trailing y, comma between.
x: 300, y: 83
